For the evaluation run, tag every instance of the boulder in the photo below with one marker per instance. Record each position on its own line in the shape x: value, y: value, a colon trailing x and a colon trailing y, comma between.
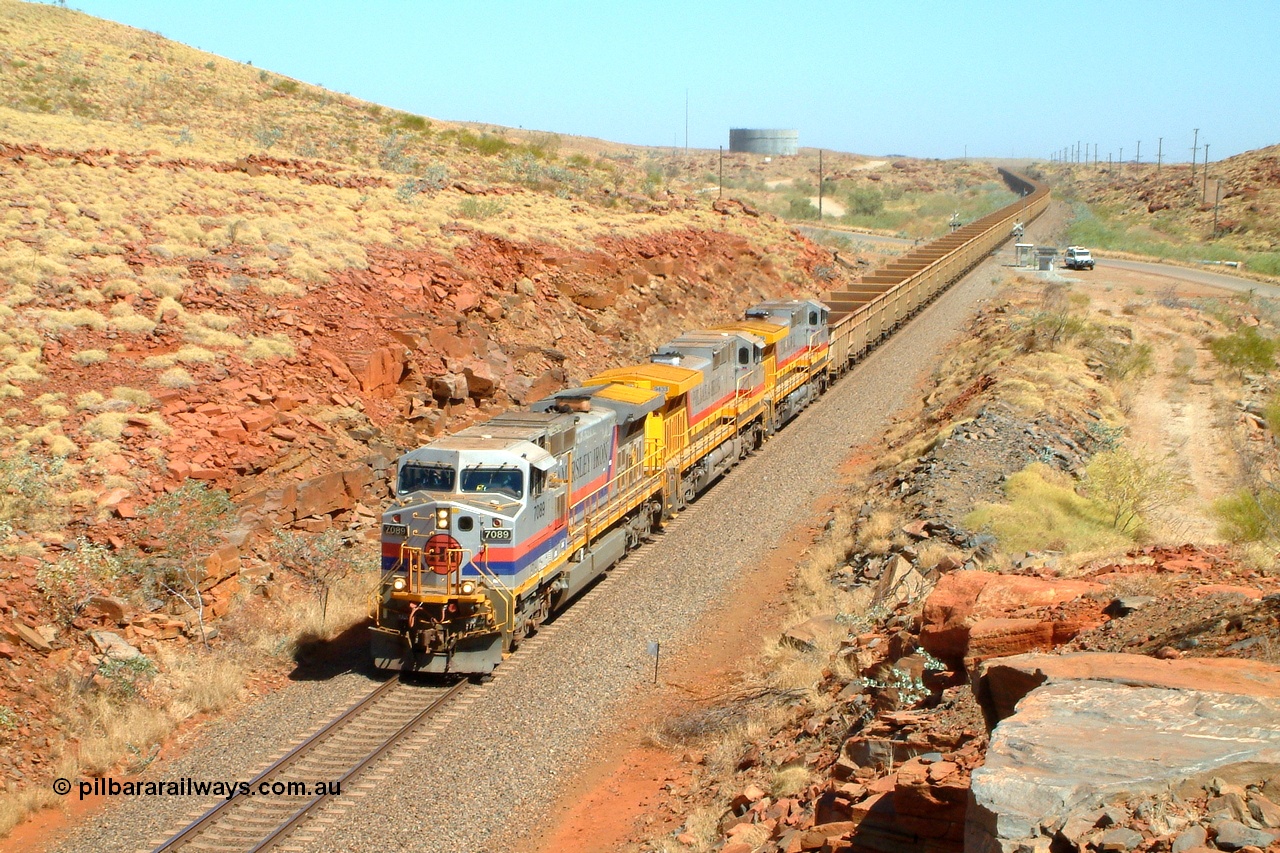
x: 482, y: 381
x: 930, y: 800
x: 29, y: 636
x: 1190, y: 838
x: 964, y: 598
x: 1234, y: 835
x: 450, y: 386
x: 1119, y: 840
x: 113, y: 645
x: 378, y: 372
x: 115, y: 609
x: 806, y: 635
x: 222, y: 563
x: 1074, y: 746
x: 900, y: 581
x: 997, y: 636
x: 322, y: 495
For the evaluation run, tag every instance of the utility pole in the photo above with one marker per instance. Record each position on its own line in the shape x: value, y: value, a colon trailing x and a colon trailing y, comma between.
x: 1195, y: 146
x: 1159, y: 153
x: 1095, y: 155
x: 1120, y: 160
x: 820, y: 182
x: 1205, y: 191
x: 1217, y: 200
x: 1137, y: 158
x: 686, y: 123
x: 720, y: 194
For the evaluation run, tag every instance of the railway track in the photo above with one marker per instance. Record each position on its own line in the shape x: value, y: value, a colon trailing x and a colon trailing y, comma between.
x: 267, y: 809
x: 865, y: 315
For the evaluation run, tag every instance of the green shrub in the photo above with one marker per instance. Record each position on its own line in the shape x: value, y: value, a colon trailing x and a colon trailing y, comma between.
x: 188, y: 519
x: 1045, y: 512
x: 1271, y: 414
x: 481, y: 143
x: 1248, y: 516
x: 1245, y: 351
x: 392, y: 156
x: 189, y: 522
x: 412, y: 122
x: 801, y: 208
x: 865, y: 201
x: 479, y: 208
x: 128, y: 678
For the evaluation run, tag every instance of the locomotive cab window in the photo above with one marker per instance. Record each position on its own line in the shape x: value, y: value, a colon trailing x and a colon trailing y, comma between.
x: 813, y: 318
x: 508, y: 481
x: 424, y: 478
x: 744, y: 355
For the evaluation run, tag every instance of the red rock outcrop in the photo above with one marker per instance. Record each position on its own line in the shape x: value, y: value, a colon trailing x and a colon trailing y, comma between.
x: 976, y: 614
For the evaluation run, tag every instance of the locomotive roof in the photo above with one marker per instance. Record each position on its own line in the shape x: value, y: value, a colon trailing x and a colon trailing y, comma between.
x: 628, y: 402
x: 785, y: 304
x: 767, y: 331
x: 711, y: 337
x: 481, y: 441
x: 674, y: 380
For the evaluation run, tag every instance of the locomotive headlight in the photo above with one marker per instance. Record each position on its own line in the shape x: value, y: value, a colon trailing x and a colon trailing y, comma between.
x: 398, y: 584
x: 442, y: 519
x: 468, y: 587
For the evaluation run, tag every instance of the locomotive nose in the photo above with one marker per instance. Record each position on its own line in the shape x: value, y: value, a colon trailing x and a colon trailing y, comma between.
x: 442, y: 554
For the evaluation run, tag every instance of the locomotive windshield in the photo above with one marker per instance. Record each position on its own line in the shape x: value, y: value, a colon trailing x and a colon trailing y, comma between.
x: 425, y: 478
x: 506, y: 480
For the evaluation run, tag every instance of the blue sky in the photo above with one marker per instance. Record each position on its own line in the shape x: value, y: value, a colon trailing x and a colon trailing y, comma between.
x: 915, y: 78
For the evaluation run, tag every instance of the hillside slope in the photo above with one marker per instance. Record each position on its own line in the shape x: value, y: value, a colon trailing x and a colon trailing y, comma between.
x: 1175, y: 212
x: 213, y: 274
x: 184, y: 233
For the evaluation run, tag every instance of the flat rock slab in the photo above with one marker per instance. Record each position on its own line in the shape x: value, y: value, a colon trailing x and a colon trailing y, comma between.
x: 1003, y: 682
x: 1074, y: 746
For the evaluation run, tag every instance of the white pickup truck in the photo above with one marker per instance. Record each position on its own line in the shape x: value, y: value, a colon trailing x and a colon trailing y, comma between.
x: 1078, y: 258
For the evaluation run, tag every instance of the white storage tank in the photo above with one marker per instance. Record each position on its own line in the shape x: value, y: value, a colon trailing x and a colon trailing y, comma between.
x: 774, y: 142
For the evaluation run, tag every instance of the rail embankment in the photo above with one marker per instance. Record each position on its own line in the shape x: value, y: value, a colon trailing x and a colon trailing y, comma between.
x: 1053, y: 568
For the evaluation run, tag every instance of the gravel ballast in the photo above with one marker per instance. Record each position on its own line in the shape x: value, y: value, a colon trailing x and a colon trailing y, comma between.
x: 497, y: 766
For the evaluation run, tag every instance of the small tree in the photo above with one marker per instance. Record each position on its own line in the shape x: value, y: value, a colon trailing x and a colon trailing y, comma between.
x: 68, y: 582
x: 188, y: 521
x: 1131, y: 485
x: 1057, y: 320
x: 319, y: 561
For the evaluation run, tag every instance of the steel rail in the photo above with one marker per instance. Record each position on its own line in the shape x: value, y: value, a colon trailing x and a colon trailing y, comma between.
x: 206, y: 823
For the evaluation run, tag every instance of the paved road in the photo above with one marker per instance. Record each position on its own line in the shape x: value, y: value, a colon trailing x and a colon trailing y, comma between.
x: 1213, y: 279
